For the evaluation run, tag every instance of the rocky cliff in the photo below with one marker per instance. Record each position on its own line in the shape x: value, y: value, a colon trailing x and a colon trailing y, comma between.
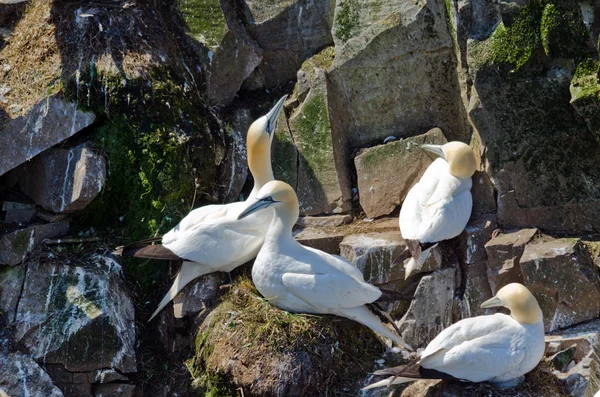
x: 118, y: 117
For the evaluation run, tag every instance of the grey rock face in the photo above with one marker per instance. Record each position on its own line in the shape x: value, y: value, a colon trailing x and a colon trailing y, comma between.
x: 234, y: 166
x: 63, y: 180
x: 15, y: 246
x: 386, y: 173
x: 402, y: 51
x: 48, y: 123
x: 431, y: 309
x: 288, y: 32
x: 197, y: 294
x: 21, y: 376
x: 564, y: 280
x: 79, y: 317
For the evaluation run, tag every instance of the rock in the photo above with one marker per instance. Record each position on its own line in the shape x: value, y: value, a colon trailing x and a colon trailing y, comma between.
x: 114, y: 390
x: 288, y: 33
x: 474, y: 263
x: 483, y: 192
x: 15, y: 246
x: 504, y: 252
x: 63, y: 180
x: 561, y: 275
x: 403, y: 52
x: 49, y: 122
x: 18, y: 212
x: 328, y: 241
x: 543, y: 180
x: 11, y: 281
x: 21, y: 376
x: 582, y: 379
x: 563, y: 358
x: 79, y: 317
x: 373, y: 254
x: 386, y: 173
x: 324, y: 221
x: 234, y: 167
x: 584, y: 90
x: 194, y: 297
x: 231, y: 54
x: 308, y: 127
x: 431, y: 308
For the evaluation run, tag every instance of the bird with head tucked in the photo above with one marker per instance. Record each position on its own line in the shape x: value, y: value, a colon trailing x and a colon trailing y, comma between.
x: 301, y: 279
x: 439, y: 206
x: 211, y: 238
x: 498, y: 348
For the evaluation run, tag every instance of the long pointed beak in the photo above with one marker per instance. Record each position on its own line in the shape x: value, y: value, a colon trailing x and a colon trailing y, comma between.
x: 492, y: 302
x: 257, y: 206
x: 274, y: 114
x: 435, y: 149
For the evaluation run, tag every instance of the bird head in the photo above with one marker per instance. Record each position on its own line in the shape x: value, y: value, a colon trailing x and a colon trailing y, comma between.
x: 522, y: 304
x: 261, y: 132
x: 278, y: 194
x: 459, y: 156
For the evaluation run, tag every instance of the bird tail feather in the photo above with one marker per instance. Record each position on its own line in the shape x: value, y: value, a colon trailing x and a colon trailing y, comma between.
x: 189, y: 271
x: 364, y: 316
x: 387, y: 382
x: 413, y: 263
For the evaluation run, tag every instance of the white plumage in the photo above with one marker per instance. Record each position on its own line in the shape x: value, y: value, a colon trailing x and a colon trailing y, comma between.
x: 439, y: 206
x: 495, y: 348
x: 211, y: 238
x: 305, y: 280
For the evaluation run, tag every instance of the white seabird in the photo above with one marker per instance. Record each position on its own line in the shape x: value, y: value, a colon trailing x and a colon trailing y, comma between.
x: 439, y: 206
x: 499, y: 348
x: 301, y: 279
x: 211, y: 238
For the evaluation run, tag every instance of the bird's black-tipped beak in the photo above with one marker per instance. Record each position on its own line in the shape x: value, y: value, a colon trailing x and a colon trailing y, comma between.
x: 257, y: 206
x: 435, y: 149
x: 273, y: 115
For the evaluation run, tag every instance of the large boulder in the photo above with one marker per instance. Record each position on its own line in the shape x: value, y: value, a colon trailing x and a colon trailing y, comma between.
x: 566, y: 283
x: 49, y: 122
x: 21, y: 376
x: 431, y: 309
x: 63, y: 180
x: 386, y: 173
x: 288, y: 32
x: 16, y: 245
x: 79, y: 317
x: 540, y: 153
x: 394, y: 74
x: 234, y: 165
x: 311, y: 168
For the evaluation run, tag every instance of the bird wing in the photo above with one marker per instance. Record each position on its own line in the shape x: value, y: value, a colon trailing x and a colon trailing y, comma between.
x: 339, y: 263
x: 332, y: 290
x: 220, y: 245
x: 200, y: 215
x: 476, y: 349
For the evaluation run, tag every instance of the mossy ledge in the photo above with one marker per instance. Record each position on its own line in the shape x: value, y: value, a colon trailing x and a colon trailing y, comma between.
x: 247, y: 343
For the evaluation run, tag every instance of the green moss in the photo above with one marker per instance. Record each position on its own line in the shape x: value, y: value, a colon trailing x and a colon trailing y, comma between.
x: 346, y: 20
x: 322, y: 60
x: 21, y: 241
x: 563, y: 32
x: 284, y: 155
x: 585, y: 80
x: 205, y: 20
x: 246, y: 325
x: 448, y: 4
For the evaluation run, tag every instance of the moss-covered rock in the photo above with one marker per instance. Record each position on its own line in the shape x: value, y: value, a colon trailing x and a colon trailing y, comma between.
x: 246, y: 342
x: 205, y: 20
x: 585, y: 94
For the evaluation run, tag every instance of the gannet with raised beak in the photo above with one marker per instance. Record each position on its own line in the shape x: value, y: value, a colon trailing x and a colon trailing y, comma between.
x: 499, y: 348
x: 211, y: 238
x: 300, y: 279
x: 439, y: 206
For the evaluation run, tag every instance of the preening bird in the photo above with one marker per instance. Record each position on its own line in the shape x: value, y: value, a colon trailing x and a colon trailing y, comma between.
x: 300, y: 279
x: 439, y: 206
x: 498, y: 348
x: 211, y: 238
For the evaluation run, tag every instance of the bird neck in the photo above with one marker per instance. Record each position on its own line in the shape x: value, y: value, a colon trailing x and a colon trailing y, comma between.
x: 259, y: 163
x: 531, y: 314
x: 283, y: 222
